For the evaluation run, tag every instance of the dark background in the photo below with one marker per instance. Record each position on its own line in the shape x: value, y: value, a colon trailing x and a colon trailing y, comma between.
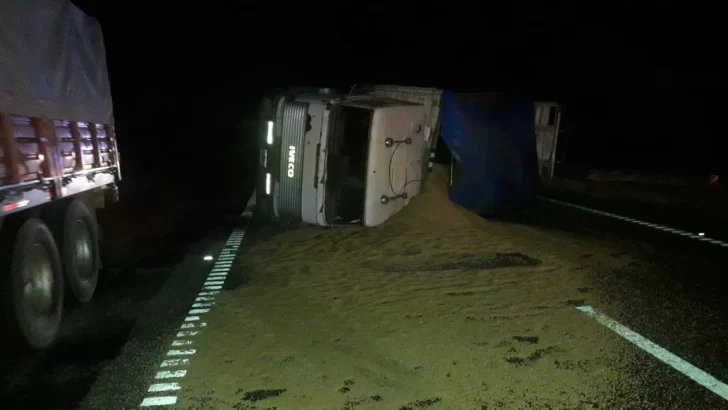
x: 642, y: 86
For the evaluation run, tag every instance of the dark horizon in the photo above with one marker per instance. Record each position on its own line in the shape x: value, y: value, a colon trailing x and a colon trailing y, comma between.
x: 636, y: 95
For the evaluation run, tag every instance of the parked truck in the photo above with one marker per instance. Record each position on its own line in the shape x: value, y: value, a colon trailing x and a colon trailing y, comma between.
x: 59, y: 163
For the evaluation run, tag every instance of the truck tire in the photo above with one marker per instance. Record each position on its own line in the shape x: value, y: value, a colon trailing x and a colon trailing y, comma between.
x: 32, y: 289
x: 78, y: 241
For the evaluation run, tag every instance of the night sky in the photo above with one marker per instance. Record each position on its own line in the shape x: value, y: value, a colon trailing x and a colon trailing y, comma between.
x: 643, y: 88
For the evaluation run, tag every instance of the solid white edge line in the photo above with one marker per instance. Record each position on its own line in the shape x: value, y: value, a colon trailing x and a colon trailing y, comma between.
x: 159, y: 401
x: 157, y: 387
x: 694, y: 373
x: 637, y: 221
x: 170, y: 374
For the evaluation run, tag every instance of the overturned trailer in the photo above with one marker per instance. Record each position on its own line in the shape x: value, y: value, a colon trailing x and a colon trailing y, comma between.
x: 328, y: 158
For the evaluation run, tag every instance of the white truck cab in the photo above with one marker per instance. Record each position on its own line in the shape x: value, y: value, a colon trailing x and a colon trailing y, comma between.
x: 329, y: 160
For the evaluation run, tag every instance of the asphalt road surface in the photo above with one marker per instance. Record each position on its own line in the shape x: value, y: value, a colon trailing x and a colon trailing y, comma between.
x: 667, y: 288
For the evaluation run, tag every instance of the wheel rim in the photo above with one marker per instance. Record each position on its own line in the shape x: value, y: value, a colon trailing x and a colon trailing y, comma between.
x: 83, y: 250
x: 38, y: 282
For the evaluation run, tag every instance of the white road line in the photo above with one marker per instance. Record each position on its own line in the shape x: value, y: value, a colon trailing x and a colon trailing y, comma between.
x: 697, y: 375
x: 157, y: 387
x: 159, y: 401
x: 175, y: 362
x: 638, y: 222
x: 187, y: 352
x: 171, y: 374
x: 192, y: 325
x: 202, y: 304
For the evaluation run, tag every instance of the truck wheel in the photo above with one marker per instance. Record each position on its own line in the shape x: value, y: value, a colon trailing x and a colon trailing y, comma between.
x: 33, y: 289
x: 79, y: 245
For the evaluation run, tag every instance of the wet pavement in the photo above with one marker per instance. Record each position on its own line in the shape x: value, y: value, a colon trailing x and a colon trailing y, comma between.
x: 487, y: 323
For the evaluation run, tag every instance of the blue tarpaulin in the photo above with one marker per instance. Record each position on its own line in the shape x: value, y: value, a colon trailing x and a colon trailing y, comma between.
x: 492, y: 138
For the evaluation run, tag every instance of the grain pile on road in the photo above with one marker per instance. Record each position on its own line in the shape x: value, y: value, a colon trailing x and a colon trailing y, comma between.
x: 435, y: 308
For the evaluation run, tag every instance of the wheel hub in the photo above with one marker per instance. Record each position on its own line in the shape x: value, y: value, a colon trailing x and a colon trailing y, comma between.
x: 83, y: 250
x: 38, y: 281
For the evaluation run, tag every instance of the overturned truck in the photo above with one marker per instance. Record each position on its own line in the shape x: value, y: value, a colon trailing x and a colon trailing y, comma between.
x: 329, y: 159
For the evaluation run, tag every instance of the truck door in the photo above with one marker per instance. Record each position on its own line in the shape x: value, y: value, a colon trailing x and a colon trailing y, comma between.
x: 394, y: 168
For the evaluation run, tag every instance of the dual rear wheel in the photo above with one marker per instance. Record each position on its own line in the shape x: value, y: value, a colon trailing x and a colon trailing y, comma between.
x: 39, y: 261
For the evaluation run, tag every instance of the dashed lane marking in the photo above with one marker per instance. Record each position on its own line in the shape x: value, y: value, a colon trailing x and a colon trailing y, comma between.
x: 659, y: 227
x: 158, y: 387
x: 694, y: 373
x: 187, y: 352
x: 170, y: 374
x: 202, y: 305
x: 175, y: 362
x: 159, y: 401
x: 193, y: 325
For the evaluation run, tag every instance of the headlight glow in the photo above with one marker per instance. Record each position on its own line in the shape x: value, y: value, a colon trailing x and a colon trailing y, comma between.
x: 269, y: 136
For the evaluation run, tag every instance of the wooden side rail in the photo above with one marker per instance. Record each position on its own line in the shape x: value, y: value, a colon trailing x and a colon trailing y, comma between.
x: 45, y: 137
x: 11, y: 154
x: 95, y: 144
x: 77, y: 147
